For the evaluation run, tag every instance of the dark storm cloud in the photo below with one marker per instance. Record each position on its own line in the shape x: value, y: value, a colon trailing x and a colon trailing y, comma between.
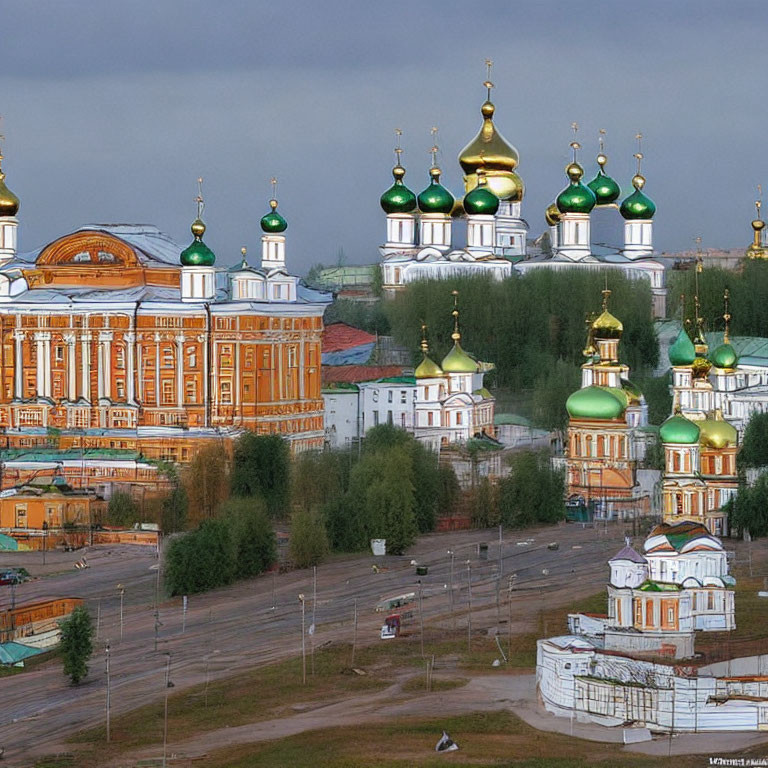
x: 113, y: 109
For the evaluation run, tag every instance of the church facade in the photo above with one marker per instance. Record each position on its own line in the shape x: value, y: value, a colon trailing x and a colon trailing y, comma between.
x: 120, y: 349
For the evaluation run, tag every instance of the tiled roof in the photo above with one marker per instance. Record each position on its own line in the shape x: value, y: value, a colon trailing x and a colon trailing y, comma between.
x: 351, y: 374
x: 627, y: 553
x: 340, y: 336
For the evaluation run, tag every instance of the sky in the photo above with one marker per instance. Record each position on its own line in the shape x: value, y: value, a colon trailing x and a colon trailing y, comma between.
x: 113, y: 109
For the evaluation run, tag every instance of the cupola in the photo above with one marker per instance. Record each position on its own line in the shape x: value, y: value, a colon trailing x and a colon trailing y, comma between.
x: 605, y: 189
x: 198, y: 277
x: 273, y: 225
x: 9, y: 207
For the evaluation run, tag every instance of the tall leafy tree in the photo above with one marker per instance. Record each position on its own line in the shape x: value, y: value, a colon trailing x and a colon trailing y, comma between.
x: 754, y: 447
x: 261, y: 467
x: 76, y: 644
x: 254, y: 537
x: 748, y: 511
x: 533, y: 492
x: 122, y: 510
x: 309, y: 541
x: 207, y: 482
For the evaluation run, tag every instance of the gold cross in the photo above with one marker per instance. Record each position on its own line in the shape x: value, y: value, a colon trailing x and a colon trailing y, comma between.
x: 199, y: 199
x: 273, y: 182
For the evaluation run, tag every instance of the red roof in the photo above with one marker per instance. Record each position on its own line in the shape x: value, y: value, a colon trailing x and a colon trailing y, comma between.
x: 339, y: 336
x: 351, y: 374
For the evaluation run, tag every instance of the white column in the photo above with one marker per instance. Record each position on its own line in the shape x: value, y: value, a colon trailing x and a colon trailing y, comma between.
x: 18, y: 365
x: 85, y: 340
x: 158, y: 398
x: 40, y: 366
x: 69, y: 340
x: 130, y: 339
x: 105, y: 364
x: 180, y: 370
x: 203, y: 339
x: 236, y: 383
x: 301, y: 369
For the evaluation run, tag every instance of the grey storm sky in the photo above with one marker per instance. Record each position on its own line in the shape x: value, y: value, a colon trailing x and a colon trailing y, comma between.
x: 112, y: 110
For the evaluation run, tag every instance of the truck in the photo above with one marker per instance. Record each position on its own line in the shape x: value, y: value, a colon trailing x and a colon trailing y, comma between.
x: 392, y: 625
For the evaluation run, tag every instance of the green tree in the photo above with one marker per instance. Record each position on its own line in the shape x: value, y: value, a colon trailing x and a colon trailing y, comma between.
x: 483, y: 509
x: 76, y: 644
x: 657, y: 396
x: 550, y: 392
x: 174, y: 506
x: 207, y: 482
x: 317, y: 478
x: 309, y: 541
x: 754, y: 446
x: 654, y: 455
x: 254, y: 537
x: 448, y: 490
x: 532, y: 493
x: 122, y: 510
x: 748, y: 511
x: 261, y: 467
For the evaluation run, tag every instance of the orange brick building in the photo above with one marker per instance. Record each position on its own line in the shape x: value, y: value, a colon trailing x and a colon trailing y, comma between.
x: 119, y: 348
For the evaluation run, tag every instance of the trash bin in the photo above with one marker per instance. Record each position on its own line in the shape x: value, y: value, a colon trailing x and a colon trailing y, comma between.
x: 482, y: 550
x: 422, y: 570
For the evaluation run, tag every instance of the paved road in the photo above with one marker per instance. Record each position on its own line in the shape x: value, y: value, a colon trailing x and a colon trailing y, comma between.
x: 259, y: 621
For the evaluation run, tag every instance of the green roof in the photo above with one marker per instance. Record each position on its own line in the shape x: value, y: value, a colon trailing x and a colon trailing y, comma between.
x: 658, y: 586
x: 512, y: 418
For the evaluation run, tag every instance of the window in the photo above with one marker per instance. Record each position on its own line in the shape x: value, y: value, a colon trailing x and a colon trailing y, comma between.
x: 403, y: 396
x: 191, y: 357
x: 120, y: 356
x: 291, y: 357
x: 59, y: 353
x: 375, y: 418
x: 190, y: 391
x: 226, y: 356
x: 168, y: 357
x: 21, y: 515
x: 459, y: 417
x: 168, y: 391
x: 710, y: 601
x: 430, y: 419
x: 120, y: 386
x: 226, y: 392
x: 375, y: 395
x: 389, y: 418
x: 670, y: 616
x: 390, y: 396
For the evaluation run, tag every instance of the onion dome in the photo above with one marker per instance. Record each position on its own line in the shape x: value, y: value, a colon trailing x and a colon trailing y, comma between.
x: 725, y: 357
x: 197, y: 254
x: 576, y: 197
x: 606, y: 326
x: 457, y: 360
x: 398, y: 198
x: 605, y: 189
x: 638, y: 205
x: 682, y: 351
x: 701, y: 367
x: 602, y: 403
x: 716, y: 432
x: 552, y: 214
x: 9, y: 203
x: 678, y: 429
x: 481, y: 201
x: 427, y: 368
x: 491, y: 151
x: 273, y: 223
x: 435, y: 198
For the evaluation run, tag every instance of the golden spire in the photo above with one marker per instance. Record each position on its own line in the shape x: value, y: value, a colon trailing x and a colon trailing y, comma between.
x: 434, y: 149
x: 601, y: 158
x: 699, y: 340
x: 424, y: 342
x: 398, y: 171
x: 573, y: 169
x: 726, y: 317
x: 198, y: 227
x: 755, y: 249
x: 273, y: 201
x: 243, y: 252
x: 9, y: 203
x: 456, y: 335
x: 606, y: 295
x: 638, y: 180
x: 488, y: 84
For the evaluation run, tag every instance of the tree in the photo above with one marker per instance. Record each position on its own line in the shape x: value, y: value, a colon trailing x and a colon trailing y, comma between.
x: 550, y: 392
x: 122, y: 510
x: 174, y: 506
x: 254, y: 536
x: 748, y: 511
x: 484, y: 511
x: 309, y: 541
x: 754, y: 447
x: 654, y: 455
x: 207, y: 482
x: 448, y: 490
x: 657, y: 396
x: 317, y: 478
x: 76, y: 643
x: 532, y: 493
x: 261, y: 467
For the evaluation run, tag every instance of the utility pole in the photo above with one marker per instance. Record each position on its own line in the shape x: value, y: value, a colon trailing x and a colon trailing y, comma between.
x: 450, y: 588
x: 121, y: 592
x: 183, y: 614
x: 168, y: 684
x: 303, y: 644
x: 469, y: 600
x: 109, y: 689
x: 274, y: 576
x: 354, y: 635
x: 314, y: 626
x: 501, y: 551
x: 98, y: 618
x: 421, y: 620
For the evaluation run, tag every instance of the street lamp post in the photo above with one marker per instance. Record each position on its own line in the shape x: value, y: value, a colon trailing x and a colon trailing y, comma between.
x: 303, y: 643
x: 469, y: 601
x: 452, y: 554
x: 168, y: 684
x: 121, y: 592
x: 109, y: 690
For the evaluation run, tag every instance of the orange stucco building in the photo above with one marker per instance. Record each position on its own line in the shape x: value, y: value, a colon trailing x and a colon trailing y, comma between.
x: 119, y: 348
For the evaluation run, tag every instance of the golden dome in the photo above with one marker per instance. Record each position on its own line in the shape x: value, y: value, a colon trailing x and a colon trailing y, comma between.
x: 428, y: 369
x: 9, y: 203
x: 574, y: 171
x: 717, y: 433
x: 607, y: 326
x: 552, y: 214
x: 497, y: 156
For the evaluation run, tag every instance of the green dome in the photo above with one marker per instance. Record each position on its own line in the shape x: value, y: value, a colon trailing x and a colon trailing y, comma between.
x: 576, y: 198
x: 481, y: 201
x: 198, y: 254
x: 273, y: 222
x: 435, y: 198
x: 604, y: 188
x: 682, y: 351
x: 725, y: 356
x: 458, y: 361
x: 398, y: 198
x: 596, y: 403
x: 638, y: 206
x: 678, y: 429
